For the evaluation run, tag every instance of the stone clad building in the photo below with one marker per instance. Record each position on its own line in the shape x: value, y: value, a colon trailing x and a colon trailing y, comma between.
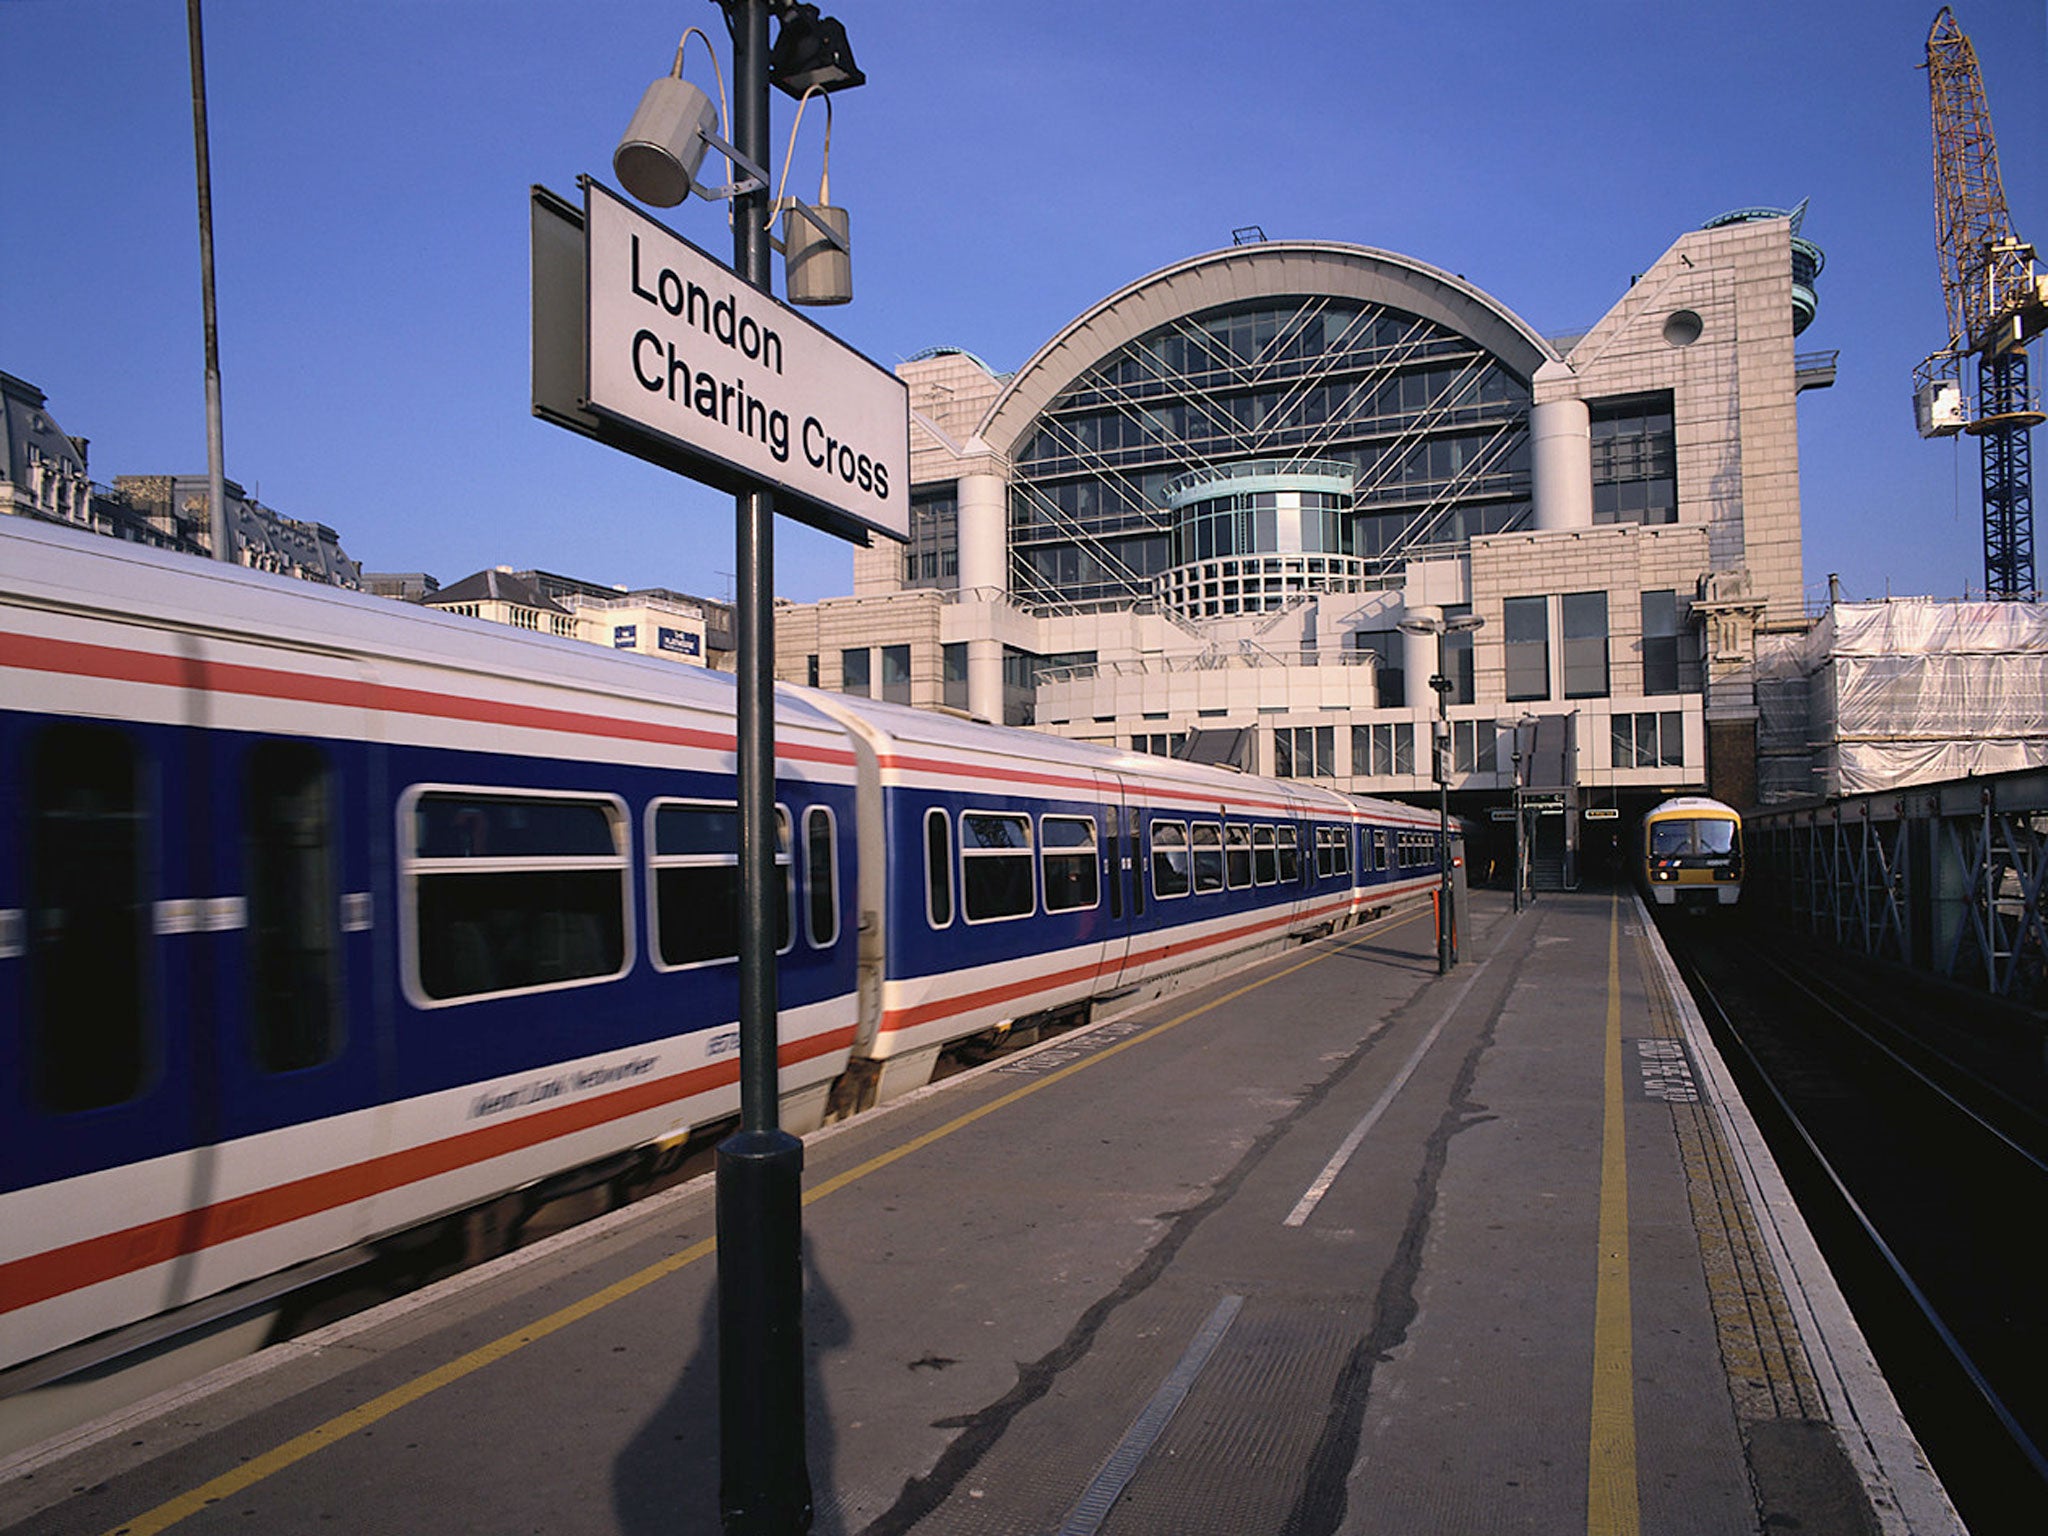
x: 1196, y: 519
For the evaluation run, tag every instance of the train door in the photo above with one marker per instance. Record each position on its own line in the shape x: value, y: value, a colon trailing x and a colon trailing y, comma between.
x: 282, y: 839
x: 1122, y: 873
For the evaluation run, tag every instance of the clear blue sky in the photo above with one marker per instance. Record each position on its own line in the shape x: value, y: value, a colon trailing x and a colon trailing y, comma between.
x: 1007, y: 165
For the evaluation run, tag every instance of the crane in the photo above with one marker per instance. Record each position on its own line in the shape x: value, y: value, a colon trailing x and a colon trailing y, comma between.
x: 1996, y: 304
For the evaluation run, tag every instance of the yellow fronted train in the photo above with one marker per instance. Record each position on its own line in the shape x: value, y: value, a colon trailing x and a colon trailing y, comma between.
x: 1691, y: 853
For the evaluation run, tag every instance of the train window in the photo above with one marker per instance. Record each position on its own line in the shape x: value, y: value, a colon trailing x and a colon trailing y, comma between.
x: 995, y: 866
x: 1169, y: 859
x: 694, y: 864
x: 1208, y: 841
x: 1067, y: 850
x: 1237, y: 855
x: 1290, y: 855
x: 88, y: 924
x: 821, y: 878
x: 1329, y: 851
x: 938, y: 868
x: 1265, y: 865
x: 1376, y: 853
x: 512, y: 892
x: 294, y: 907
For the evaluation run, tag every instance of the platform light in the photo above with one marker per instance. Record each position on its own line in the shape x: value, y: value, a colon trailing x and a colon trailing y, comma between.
x: 673, y: 126
x: 811, y: 54
x: 817, y: 260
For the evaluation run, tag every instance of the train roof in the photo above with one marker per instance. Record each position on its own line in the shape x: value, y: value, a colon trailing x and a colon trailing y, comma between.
x: 71, y: 570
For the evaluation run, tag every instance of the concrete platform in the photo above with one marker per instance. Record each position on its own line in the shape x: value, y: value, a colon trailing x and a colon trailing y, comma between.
x: 1332, y: 1245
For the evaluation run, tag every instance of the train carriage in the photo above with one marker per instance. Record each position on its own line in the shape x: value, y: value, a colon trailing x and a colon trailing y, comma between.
x: 323, y: 917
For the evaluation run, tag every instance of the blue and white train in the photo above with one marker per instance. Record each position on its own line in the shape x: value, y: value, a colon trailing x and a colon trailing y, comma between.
x: 323, y: 917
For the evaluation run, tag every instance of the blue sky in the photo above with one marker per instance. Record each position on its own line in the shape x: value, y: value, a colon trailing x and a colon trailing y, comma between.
x: 1007, y: 165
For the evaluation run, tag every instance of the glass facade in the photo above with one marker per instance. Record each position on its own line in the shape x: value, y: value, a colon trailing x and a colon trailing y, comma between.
x: 932, y: 557
x: 1433, y: 428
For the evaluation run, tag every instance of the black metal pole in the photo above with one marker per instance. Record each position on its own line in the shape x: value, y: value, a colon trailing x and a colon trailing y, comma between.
x: 764, y: 1485
x: 220, y: 534
x: 1446, y: 951
x: 1518, y: 817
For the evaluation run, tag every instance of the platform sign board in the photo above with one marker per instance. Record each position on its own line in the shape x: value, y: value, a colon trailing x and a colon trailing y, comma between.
x: 647, y: 343
x: 1602, y: 813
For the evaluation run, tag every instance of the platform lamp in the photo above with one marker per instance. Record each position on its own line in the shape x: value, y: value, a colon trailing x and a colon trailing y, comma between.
x: 1418, y: 624
x: 1518, y: 756
x: 764, y: 1486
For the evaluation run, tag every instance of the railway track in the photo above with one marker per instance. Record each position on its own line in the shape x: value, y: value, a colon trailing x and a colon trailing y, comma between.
x: 1913, y: 1128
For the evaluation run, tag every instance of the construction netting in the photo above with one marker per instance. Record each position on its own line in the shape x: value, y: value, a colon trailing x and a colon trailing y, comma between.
x: 1907, y: 691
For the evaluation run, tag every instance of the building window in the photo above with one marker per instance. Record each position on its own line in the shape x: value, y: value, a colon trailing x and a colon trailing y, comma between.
x: 811, y: 670
x: 1660, y: 642
x: 294, y: 907
x: 932, y: 558
x: 1472, y: 746
x: 1304, y: 752
x: 1383, y: 750
x: 953, y: 669
x: 1635, y: 460
x: 1649, y: 740
x: 1583, y: 618
x: 1525, y: 629
x: 1458, y: 656
x: 1160, y: 743
x: 853, y: 672
x: 1389, y: 678
x: 896, y: 674
x: 88, y: 923
x: 995, y: 866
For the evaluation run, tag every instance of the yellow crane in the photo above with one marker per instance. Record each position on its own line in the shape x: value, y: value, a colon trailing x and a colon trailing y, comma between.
x: 1996, y: 304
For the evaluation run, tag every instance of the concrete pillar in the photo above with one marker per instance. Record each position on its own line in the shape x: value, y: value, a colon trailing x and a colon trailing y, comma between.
x: 1561, y: 440
x: 1418, y: 658
x: 985, y: 678
x: 984, y: 533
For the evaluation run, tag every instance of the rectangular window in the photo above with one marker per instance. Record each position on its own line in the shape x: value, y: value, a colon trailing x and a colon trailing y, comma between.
x: 513, y: 892
x: 1383, y: 749
x: 1070, y: 865
x: 1458, y: 657
x: 1648, y: 740
x: 1390, y: 680
x: 88, y: 923
x: 938, y: 868
x: 1333, y: 851
x: 1265, y: 862
x: 1473, y: 746
x: 811, y: 670
x: 1583, y: 619
x: 953, y: 667
x: 1304, y: 751
x: 896, y: 674
x: 853, y: 672
x: 294, y: 907
x: 821, y: 878
x: 694, y: 867
x: 1525, y: 633
x: 1237, y: 855
x: 1290, y: 855
x: 1660, y: 642
x: 1208, y: 847
x: 1169, y: 859
x: 995, y: 866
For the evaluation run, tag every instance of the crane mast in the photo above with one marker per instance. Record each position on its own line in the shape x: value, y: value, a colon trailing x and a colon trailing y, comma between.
x: 1996, y: 303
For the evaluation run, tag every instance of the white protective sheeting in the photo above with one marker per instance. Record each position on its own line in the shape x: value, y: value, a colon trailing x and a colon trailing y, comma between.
x: 1908, y: 691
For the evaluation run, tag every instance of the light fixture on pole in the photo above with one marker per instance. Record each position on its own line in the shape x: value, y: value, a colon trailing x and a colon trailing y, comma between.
x: 1418, y: 624
x: 817, y: 260
x: 673, y: 126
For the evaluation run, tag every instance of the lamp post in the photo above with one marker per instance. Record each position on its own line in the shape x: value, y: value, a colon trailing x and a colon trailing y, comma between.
x: 764, y: 1479
x: 1521, y: 847
x: 1419, y: 624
